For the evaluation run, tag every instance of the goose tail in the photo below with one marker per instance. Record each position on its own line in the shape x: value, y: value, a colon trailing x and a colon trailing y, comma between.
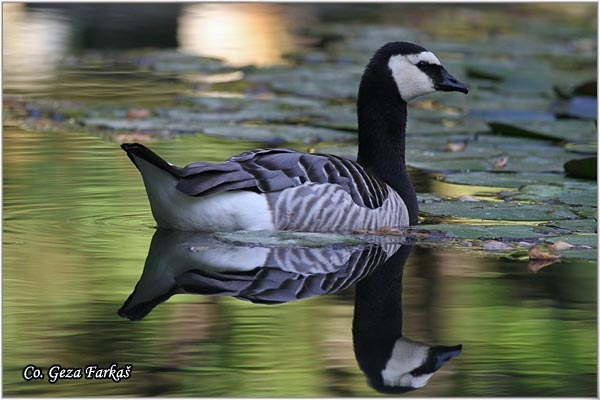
x: 137, y: 152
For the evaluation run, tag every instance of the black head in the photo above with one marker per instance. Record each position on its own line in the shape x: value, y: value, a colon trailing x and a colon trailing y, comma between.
x: 415, y: 70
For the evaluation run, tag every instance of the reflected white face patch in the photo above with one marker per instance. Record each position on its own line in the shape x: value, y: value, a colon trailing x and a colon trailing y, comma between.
x: 411, y: 81
x: 406, y: 356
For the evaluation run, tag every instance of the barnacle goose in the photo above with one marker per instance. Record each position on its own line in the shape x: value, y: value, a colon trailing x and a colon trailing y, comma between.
x: 281, y: 189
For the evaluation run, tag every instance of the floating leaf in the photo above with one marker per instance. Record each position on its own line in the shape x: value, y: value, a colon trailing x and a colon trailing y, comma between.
x: 589, y: 88
x: 546, y: 159
x: 590, y: 148
x: 585, y: 240
x: 586, y: 168
x: 491, y: 70
x: 512, y: 115
x: 320, y: 81
x: 497, y: 232
x: 577, y: 195
x: 580, y: 254
x: 282, y: 133
x: 575, y: 130
x: 172, y: 61
x: 587, y: 225
x: 486, y: 210
x: 509, y: 179
x: 577, y: 107
x: 497, y: 178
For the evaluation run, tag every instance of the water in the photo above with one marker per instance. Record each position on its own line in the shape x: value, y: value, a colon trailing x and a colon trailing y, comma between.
x: 77, y: 229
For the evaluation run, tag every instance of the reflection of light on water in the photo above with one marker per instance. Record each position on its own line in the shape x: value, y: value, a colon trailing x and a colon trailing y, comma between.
x: 33, y: 43
x: 247, y: 33
x: 214, y: 78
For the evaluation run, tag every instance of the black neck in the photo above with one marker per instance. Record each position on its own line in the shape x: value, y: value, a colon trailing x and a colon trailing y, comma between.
x: 382, y: 135
x: 377, y: 322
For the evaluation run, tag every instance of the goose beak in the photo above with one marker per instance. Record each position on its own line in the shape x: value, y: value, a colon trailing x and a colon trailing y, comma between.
x: 448, y: 83
x: 442, y: 354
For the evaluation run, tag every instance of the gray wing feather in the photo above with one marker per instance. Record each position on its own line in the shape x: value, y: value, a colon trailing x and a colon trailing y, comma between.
x: 273, y: 170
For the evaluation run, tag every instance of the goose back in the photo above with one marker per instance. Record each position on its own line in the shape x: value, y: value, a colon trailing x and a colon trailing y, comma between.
x: 273, y: 170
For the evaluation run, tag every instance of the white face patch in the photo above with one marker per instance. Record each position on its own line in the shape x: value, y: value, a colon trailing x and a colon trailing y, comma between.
x: 411, y: 81
x: 406, y: 356
x: 425, y: 56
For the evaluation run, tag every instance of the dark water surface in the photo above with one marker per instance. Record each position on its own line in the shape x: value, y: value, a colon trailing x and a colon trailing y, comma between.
x: 77, y: 229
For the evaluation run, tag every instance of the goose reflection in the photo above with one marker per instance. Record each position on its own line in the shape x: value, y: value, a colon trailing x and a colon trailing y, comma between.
x: 279, y: 272
x: 197, y: 263
x: 391, y: 362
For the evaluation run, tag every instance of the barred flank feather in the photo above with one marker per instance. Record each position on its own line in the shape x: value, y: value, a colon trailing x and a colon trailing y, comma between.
x: 326, y: 207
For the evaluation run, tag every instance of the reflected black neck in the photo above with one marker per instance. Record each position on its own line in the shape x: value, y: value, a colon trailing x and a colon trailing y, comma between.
x: 381, y: 137
x: 377, y: 322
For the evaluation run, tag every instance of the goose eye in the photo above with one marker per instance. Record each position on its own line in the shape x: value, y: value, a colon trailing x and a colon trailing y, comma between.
x: 422, y: 64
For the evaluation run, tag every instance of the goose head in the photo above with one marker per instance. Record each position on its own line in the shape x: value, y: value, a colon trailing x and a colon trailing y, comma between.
x: 411, y: 364
x: 414, y: 70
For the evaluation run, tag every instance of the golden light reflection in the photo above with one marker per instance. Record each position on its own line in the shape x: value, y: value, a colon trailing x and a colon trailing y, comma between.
x: 33, y: 43
x: 241, y: 34
x: 455, y: 190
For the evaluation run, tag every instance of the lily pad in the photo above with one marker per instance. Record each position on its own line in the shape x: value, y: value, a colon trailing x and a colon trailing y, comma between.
x: 579, y: 254
x: 492, y: 70
x: 577, y: 240
x: 498, y: 232
x: 511, y: 76
x: 586, y: 168
x: 216, y: 117
x: 584, y: 246
x: 568, y: 130
x: 590, y: 148
x: 584, y: 195
x: 577, y: 107
x: 486, y: 210
x: 172, y: 61
x: 544, y: 159
x: 281, y: 133
x: 147, y: 125
x: 512, y: 115
x: 588, y: 88
x: 500, y: 179
x: 588, y: 225
x: 322, y: 82
x: 490, y: 101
